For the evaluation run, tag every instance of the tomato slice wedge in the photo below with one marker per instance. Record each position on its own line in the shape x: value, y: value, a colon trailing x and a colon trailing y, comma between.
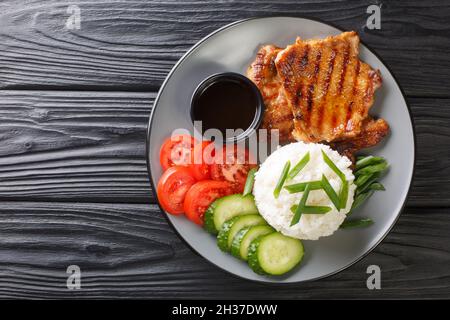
x: 201, y: 195
x: 202, y: 157
x: 172, y: 188
x: 232, y: 164
x: 177, y: 150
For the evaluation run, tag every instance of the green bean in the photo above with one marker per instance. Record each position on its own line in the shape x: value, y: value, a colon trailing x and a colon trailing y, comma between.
x: 368, y: 161
x: 281, y: 180
x: 300, y: 187
x: 298, y: 212
x: 356, y: 223
x: 333, y: 167
x: 299, y: 166
x: 330, y: 192
x: 249, y: 182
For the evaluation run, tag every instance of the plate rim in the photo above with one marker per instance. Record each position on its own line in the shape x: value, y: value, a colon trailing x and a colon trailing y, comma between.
x: 150, y: 122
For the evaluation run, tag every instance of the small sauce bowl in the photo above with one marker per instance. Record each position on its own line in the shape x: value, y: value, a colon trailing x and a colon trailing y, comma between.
x: 228, y: 101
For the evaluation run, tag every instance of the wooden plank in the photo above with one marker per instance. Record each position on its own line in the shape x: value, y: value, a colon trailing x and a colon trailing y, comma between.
x: 124, y: 45
x: 431, y: 184
x: 130, y: 251
x: 90, y: 147
x: 82, y: 146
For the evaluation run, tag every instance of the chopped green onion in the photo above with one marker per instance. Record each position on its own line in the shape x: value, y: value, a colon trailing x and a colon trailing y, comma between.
x: 356, y: 223
x: 300, y: 187
x: 298, y: 212
x: 360, y: 157
x: 368, y: 170
x: 330, y: 192
x: 366, y: 186
x: 343, y: 195
x: 360, y: 198
x: 380, y: 167
x: 368, y: 161
x: 361, y: 180
x: 299, y: 166
x: 249, y: 182
x: 376, y: 186
x: 311, y: 209
x: 281, y: 180
x: 333, y: 167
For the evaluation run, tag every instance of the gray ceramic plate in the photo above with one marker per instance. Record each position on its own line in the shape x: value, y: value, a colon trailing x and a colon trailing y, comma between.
x: 232, y: 48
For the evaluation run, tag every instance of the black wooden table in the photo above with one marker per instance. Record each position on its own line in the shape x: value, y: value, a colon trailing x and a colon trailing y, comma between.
x: 74, y: 105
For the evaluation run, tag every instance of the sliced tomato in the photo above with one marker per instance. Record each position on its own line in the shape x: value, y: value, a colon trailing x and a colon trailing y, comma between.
x: 202, y: 157
x: 232, y: 164
x: 172, y: 188
x: 177, y: 150
x: 201, y: 195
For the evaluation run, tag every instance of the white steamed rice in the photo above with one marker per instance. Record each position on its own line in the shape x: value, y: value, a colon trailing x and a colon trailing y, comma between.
x: 277, y: 212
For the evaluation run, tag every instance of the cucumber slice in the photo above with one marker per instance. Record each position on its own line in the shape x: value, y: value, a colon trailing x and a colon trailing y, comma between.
x: 274, y: 254
x: 236, y: 245
x: 225, y: 208
x: 232, y: 227
x: 242, y: 240
x: 208, y: 218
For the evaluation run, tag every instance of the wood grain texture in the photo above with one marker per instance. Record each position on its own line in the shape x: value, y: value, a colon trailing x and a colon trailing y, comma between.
x: 89, y: 146
x: 129, y: 251
x: 73, y: 182
x: 77, y: 146
x: 131, y: 45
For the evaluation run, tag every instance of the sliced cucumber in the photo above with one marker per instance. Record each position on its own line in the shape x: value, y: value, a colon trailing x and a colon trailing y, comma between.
x: 222, y: 237
x: 236, y: 245
x: 225, y: 208
x: 274, y: 254
x: 231, y: 227
x: 208, y: 218
x: 242, y: 240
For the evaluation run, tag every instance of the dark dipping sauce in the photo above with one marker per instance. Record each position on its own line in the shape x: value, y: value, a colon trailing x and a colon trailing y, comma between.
x: 227, y: 101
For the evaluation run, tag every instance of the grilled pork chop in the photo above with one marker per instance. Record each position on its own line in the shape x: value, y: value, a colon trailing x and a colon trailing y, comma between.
x: 278, y: 114
x: 373, y: 131
x: 328, y: 89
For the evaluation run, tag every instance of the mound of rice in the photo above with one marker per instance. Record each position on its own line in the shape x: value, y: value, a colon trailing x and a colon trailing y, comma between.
x: 277, y: 212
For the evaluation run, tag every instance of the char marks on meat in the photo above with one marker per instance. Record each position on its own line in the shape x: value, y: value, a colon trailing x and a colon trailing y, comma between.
x: 319, y: 91
x: 263, y: 73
